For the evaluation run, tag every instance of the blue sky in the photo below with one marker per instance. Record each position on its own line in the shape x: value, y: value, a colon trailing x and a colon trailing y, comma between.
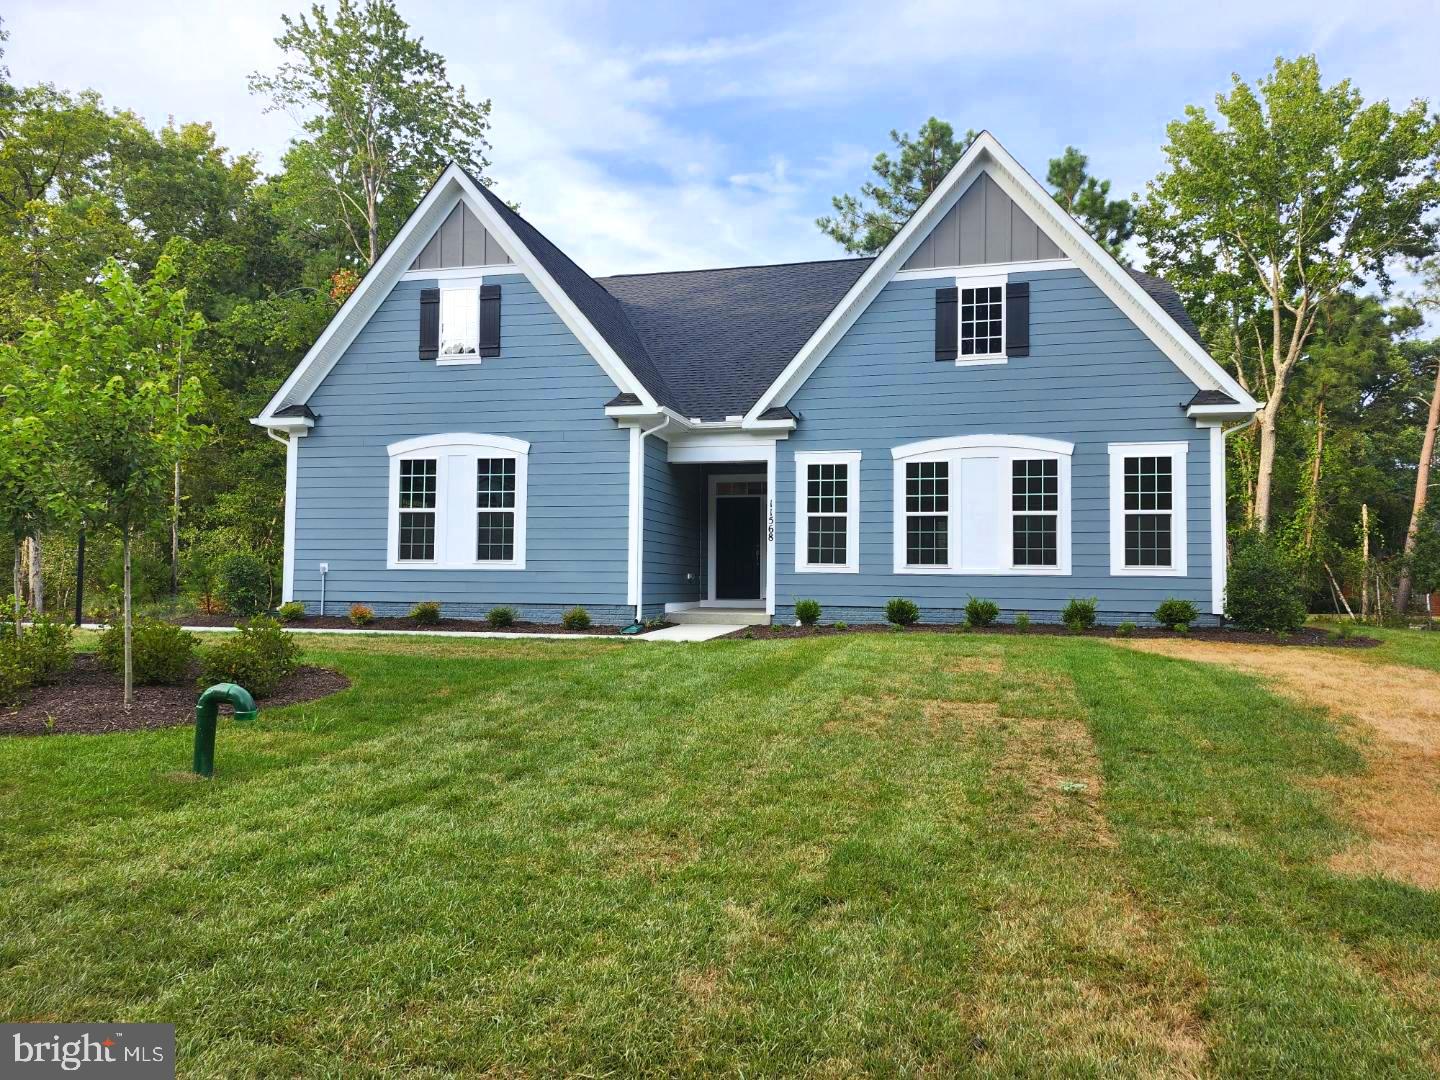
x: 670, y: 136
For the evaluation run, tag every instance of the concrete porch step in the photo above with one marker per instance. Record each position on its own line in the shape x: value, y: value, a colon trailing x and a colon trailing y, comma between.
x: 719, y: 616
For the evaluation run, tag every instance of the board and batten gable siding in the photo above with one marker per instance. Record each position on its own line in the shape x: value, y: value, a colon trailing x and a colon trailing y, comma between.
x: 543, y: 388
x: 461, y: 240
x: 984, y: 226
x: 1092, y: 378
x: 674, y: 529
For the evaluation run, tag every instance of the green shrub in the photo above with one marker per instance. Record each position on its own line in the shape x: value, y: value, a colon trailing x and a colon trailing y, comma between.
x: 1345, y: 630
x: 39, y: 653
x: 1125, y: 629
x: 577, y: 618
x: 1173, y: 613
x: 361, y: 614
x: 980, y: 612
x: 1079, y: 614
x: 901, y: 612
x: 243, y: 584
x: 807, y: 612
x: 841, y: 626
x: 258, y: 658
x: 501, y: 617
x: 291, y: 611
x: 161, y: 653
x: 1022, y: 621
x: 426, y: 613
x: 1264, y: 591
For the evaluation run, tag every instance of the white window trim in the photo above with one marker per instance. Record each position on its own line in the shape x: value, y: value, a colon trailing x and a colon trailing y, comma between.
x: 1008, y: 448
x: 851, y: 460
x: 987, y: 281
x: 453, y: 525
x: 470, y: 286
x: 1179, y: 521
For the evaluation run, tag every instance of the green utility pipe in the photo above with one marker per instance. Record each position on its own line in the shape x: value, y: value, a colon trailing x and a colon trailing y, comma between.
x: 206, y: 710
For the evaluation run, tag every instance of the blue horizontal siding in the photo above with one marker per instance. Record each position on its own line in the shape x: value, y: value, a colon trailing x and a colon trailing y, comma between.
x: 1092, y: 378
x: 674, y: 528
x: 543, y: 388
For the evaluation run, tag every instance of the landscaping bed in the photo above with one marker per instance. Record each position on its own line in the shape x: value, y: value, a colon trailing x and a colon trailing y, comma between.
x: 1309, y: 635
x: 382, y: 624
x: 86, y: 700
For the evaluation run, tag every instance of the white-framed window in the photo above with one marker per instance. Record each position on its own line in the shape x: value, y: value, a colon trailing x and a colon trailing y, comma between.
x: 827, y: 511
x: 457, y: 501
x: 982, y: 319
x: 982, y: 504
x: 460, y: 323
x: 1147, y: 509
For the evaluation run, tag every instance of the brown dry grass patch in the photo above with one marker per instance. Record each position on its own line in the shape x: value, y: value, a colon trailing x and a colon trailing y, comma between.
x: 1397, y: 801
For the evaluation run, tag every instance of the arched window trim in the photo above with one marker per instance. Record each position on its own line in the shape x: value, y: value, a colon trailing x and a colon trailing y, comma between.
x: 456, y: 510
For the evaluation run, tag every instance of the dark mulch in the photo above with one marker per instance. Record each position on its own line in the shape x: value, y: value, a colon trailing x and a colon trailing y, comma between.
x: 404, y: 622
x: 1308, y: 635
x: 87, y: 701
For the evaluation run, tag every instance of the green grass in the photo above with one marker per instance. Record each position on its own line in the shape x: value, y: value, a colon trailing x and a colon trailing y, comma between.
x: 871, y: 854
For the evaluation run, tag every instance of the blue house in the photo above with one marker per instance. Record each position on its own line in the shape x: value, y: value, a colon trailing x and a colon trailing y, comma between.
x: 993, y: 406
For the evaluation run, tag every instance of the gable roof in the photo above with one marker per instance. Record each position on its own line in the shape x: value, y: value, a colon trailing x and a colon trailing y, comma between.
x: 736, y: 341
x: 986, y: 157
x: 723, y: 336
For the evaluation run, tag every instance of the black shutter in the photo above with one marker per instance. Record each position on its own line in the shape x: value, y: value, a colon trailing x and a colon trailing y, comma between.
x: 1017, y: 318
x: 947, y: 323
x: 489, y: 320
x: 429, y: 324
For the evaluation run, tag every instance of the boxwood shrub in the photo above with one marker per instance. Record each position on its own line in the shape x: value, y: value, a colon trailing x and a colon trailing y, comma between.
x: 980, y: 612
x: 1173, y: 613
x: 501, y: 617
x: 577, y: 618
x: 1079, y: 614
x: 426, y: 613
x: 807, y: 612
x: 902, y: 612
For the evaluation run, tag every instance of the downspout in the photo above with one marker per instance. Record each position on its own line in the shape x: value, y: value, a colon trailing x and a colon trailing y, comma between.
x: 640, y: 528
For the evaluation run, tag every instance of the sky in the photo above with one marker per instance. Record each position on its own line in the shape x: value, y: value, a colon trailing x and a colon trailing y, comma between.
x: 680, y: 135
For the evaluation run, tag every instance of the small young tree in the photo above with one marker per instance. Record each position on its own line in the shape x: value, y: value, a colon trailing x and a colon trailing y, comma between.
x: 115, y: 357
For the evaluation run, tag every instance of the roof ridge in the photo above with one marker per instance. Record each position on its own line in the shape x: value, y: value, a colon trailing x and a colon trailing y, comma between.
x: 743, y: 266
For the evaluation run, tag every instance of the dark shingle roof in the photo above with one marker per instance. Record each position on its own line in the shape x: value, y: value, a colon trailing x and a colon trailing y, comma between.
x: 1164, y: 294
x: 1211, y: 397
x: 598, y: 306
x: 297, y: 410
x: 725, y: 335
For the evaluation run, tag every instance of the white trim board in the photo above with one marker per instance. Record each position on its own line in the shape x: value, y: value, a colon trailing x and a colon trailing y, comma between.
x: 987, y: 156
x: 453, y: 186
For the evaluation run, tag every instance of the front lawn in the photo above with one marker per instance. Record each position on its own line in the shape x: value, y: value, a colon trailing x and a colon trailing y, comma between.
x: 880, y: 853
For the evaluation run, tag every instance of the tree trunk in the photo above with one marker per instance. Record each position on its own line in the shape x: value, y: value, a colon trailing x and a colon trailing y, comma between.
x: 175, y: 535
x: 1422, y: 488
x: 1266, y: 466
x: 125, y: 621
x: 1364, y: 560
x: 80, y: 578
x: 1312, y: 514
x: 37, y: 578
x: 16, y: 582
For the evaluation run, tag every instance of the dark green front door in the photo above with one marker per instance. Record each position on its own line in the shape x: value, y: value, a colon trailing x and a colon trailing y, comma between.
x: 739, y: 544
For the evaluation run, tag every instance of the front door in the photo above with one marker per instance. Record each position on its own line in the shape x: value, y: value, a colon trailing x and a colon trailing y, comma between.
x: 739, y: 546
